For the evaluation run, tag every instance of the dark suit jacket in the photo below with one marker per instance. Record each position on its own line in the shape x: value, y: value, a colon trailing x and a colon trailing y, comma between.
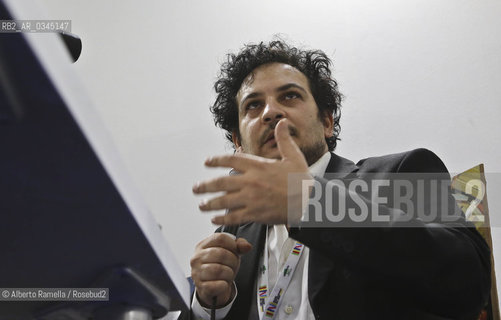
x: 428, y: 272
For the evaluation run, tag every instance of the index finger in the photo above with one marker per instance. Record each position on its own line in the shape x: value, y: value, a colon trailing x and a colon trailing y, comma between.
x: 238, y: 161
x: 219, y: 240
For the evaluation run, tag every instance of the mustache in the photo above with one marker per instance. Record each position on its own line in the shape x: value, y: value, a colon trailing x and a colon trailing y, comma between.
x: 271, y: 129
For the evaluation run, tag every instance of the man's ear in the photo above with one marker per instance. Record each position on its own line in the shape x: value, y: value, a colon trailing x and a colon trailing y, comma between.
x: 235, y: 137
x: 328, y: 122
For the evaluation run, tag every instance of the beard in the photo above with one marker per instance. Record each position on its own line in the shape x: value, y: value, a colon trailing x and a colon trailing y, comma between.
x: 313, y: 152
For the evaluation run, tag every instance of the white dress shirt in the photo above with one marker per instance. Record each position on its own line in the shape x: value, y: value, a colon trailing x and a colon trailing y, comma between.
x: 295, y: 303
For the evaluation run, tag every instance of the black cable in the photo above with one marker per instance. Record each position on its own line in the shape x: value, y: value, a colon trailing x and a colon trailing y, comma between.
x: 213, y: 308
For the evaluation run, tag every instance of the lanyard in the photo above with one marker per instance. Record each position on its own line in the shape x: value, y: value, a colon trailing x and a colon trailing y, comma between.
x: 268, y: 304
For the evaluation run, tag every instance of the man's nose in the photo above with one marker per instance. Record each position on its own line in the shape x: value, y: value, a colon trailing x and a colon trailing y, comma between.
x: 272, y: 112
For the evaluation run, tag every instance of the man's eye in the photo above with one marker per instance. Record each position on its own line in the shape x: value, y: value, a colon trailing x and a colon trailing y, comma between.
x: 252, y: 105
x: 291, y: 95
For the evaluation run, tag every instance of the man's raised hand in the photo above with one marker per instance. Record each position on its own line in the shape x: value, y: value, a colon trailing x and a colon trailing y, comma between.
x: 261, y: 192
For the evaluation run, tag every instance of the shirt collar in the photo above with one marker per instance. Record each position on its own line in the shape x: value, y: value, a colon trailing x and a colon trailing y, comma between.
x: 318, y: 168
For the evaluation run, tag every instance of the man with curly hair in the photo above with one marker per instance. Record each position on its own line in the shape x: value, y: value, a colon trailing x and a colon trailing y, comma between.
x: 280, y: 107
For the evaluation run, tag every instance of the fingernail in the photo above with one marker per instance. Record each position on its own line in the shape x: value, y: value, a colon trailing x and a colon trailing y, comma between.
x: 195, y: 187
x: 208, y: 160
x: 203, y: 204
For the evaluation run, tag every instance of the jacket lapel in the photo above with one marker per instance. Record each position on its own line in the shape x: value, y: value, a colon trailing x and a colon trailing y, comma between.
x: 255, y: 234
x: 340, y: 165
x: 319, y: 266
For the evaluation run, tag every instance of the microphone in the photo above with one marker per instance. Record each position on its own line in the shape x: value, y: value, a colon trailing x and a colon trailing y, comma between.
x: 73, y: 43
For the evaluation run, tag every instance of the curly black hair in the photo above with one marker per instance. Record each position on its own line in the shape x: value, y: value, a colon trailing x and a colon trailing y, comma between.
x: 314, y: 64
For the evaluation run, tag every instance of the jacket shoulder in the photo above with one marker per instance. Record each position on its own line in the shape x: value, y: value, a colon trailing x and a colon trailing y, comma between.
x: 417, y: 160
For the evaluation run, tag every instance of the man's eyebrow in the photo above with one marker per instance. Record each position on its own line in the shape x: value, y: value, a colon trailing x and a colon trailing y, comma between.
x: 287, y: 86
x: 250, y: 96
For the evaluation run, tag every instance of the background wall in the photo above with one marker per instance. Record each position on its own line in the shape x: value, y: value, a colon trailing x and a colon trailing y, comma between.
x: 414, y: 73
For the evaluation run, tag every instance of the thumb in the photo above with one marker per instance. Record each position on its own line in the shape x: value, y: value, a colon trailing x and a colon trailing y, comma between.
x: 243, y: 246
x: 286, y: 145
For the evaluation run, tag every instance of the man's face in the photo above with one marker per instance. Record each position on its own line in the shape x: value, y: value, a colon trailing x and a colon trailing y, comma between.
x: 272, y: 92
